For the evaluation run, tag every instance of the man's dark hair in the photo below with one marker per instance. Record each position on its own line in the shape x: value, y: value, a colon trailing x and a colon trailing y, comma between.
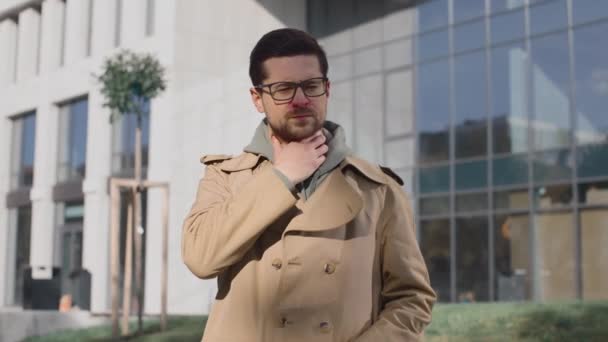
x: 284, y: 42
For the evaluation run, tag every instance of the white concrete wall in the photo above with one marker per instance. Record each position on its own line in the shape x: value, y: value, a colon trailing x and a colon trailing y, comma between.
x: 51, y: 45
x: 8, y: 52
x: 206, y: 109
x: 5, y: 155
x: 27, y: 44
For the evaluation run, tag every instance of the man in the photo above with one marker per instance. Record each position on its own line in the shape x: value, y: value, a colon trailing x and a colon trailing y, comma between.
x: 308, y: 242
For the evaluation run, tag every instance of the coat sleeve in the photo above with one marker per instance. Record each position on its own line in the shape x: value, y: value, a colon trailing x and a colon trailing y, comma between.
x: 406, y: 297
x: 222, y: 226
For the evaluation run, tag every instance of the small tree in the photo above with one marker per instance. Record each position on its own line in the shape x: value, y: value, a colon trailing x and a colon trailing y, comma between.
x: 127, y: 81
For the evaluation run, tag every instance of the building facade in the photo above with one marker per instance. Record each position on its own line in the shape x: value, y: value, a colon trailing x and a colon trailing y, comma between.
x: 493, y: 112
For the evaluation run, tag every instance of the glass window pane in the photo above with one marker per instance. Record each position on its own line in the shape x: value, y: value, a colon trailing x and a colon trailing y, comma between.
x: 436, y: 205
x: 593, y: 193
x: 507, y: 26
x: 435, y: 247
x: 592, y: 160
x: 27, y: 149
x: 464, y: 10
x: 548, y: 16
x: 474, y: 202
x: 594, y: 263
x: 551, y: 91
x: 553, y: 196
x: 472, y: 259
x: 516, y: 199
x: 434, y: 179
x: 513, y: 270
x: 471, y: 175
x: 433, y: 111
x: 510, y: 170
x: 554, y: 255
x: 432, y: 14
x: 123, y: 132
x: 470, y: 114
x: 509, y: 113
x: 399, y: 103
x: 432, y: 45
x: 552, y: 166
x: 502, y: 5
x: 399, y: 153
x: 591, y: 64
x: 469, y: 36
x: 588, y: 10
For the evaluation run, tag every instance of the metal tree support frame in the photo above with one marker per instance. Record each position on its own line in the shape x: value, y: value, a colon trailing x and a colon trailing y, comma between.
x: 132, y: 184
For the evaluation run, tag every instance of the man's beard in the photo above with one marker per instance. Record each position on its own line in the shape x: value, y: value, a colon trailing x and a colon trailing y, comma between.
x: 290, y: 130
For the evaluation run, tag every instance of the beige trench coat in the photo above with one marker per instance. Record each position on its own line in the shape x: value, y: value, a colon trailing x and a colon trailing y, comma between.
x: 343, y: 265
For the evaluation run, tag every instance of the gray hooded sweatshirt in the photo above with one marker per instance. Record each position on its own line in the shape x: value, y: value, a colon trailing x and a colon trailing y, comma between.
x: 338, y: 150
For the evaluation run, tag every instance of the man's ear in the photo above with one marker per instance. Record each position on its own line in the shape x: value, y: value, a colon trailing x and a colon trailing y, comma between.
x: 256, y: 98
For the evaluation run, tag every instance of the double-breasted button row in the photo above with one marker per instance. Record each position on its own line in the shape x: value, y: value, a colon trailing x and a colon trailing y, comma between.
x: 277, y: 263
x: 329, y: 268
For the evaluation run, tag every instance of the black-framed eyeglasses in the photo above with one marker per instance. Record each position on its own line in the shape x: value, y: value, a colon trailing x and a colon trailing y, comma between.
x: 286, y: 91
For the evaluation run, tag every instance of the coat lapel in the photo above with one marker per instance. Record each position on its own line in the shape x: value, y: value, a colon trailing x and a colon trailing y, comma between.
x: 332, y: 205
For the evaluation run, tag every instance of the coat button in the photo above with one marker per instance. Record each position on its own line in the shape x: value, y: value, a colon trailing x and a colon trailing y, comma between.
x: 325, y: 327
x: 329, y: 268
x: 277, y: 263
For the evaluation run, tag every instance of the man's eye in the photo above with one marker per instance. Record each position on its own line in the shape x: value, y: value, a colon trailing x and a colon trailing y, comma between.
x: 283, y: 87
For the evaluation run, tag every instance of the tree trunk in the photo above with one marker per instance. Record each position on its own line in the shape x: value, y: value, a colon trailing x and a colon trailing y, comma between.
x: 138, y: 219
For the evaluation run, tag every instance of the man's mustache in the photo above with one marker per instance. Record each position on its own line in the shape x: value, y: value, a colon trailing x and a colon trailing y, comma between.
x: 300, y: 111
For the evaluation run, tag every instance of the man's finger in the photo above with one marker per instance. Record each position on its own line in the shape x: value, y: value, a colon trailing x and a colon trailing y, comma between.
x: 318, y: 141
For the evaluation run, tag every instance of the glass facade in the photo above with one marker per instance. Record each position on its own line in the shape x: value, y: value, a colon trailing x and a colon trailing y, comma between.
x: 496, y: 111
x: 73, y: 119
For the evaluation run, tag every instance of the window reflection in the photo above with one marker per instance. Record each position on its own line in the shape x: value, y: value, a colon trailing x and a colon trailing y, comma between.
x: 550, y: 92
x: 432, y: 14
x: 432, y: 45
x: 507, y: 26
x: 594, y: 239
x: 548, y: 16
x: 471, y: 202
x: 509, y: 113
x: 588, y: 10
x: 510, y: 170
x: 472, y: 259
x: 432, y: 111
x: 471, y: 175
x: 435, y: 247
x: 469, y: 36
x: 470, y: 108
x: 552, y: 166
x: 553, y: 196
x: 512, y: 258
x: 468, y: 9
x: 591, y: 97
x: 436, y: 205
x: 554, y: 256
x: 515, y: 199
x: 593, y: 193
x: 434, y: 179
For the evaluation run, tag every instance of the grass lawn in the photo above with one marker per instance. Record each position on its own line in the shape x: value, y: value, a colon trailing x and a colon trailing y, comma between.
x: 568, y: 321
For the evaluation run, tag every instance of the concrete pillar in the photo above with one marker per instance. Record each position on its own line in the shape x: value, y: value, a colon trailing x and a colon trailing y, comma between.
x: 43, y: 207
x: 5, y: 155
x: 96, y: 226
x: 27, y: 46
x: 133, y: 25
x: 8, y: 51
x: 104, y: 26
x: 77, y: 30
x: 51, y: 44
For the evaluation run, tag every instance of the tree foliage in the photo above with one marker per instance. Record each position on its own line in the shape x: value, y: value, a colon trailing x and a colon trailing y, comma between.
x: 128, y: 79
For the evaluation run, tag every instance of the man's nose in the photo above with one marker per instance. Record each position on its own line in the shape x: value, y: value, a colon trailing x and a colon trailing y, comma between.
x: 299, y: 98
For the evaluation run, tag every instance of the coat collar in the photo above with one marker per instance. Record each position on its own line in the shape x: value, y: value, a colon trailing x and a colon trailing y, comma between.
x: 332, y: 205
